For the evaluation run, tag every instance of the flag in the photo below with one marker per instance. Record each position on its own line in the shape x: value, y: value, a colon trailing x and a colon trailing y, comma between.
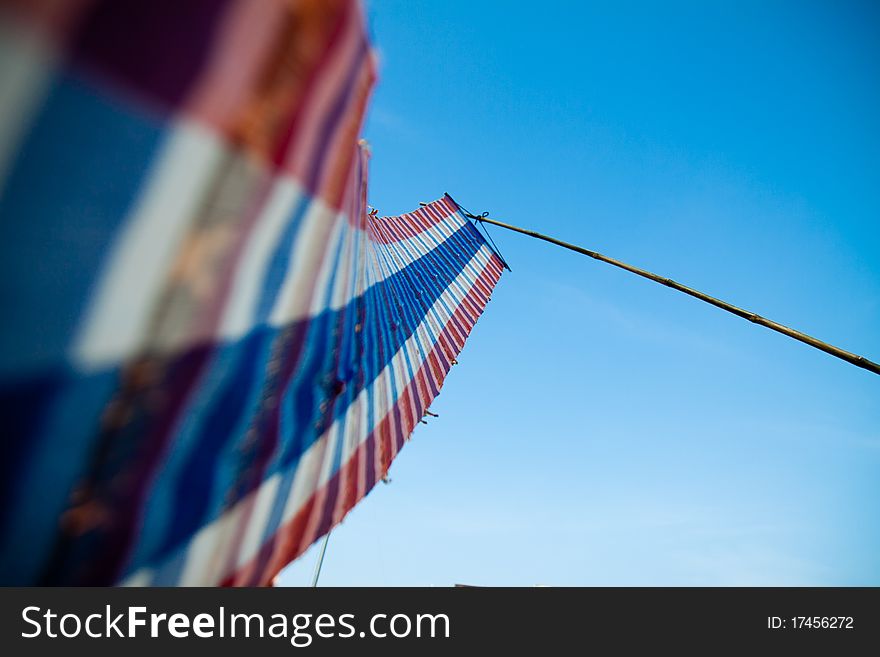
x: 211, y: 351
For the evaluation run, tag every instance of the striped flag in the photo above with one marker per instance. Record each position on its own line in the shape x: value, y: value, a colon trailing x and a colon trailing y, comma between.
x: 210, y: 351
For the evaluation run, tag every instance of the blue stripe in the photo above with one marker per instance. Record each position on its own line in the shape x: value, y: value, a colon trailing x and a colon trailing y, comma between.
x: 71, y: 187
x: 207, y: 467
x: 279, y: 261
x: 57, y: 457
x: 210, y: 451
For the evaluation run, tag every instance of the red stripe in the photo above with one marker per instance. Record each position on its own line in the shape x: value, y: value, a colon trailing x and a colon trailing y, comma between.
x: 297, y: 151
x: 406, y: 226
x: 331, y: 180
x: 57, y: 21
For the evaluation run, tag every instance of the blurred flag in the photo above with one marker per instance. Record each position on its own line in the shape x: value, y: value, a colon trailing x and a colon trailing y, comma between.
x: 210, y: 352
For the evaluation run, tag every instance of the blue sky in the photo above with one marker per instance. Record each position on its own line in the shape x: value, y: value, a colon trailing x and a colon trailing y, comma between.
x: 601, y: 429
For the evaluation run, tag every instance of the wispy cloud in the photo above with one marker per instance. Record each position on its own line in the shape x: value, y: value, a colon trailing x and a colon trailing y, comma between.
x: 641, y: 326
x: 383, y: 119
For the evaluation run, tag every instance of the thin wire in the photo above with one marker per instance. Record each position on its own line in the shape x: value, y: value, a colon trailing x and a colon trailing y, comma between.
x: 320, y: 560
x: 494, y: 246
x: 488, y: 236
x: 858, y: 361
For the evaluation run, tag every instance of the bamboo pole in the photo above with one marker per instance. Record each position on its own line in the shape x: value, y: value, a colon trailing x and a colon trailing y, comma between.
x: 858, y: 361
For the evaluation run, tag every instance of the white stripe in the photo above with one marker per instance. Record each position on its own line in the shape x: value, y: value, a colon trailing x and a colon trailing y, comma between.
x: 317, y: 236
x: 209, y: 553
x: 259, y: 518
x: 347, y: 269
x: 137, y: 268
x: 140, y: 578
x: 114, y: 325
x: 240, y: 314
x: 26, y: 66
